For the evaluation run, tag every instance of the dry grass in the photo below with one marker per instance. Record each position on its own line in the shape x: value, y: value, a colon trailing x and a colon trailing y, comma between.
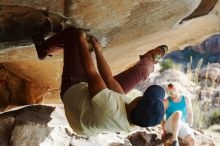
x: 202, y: 109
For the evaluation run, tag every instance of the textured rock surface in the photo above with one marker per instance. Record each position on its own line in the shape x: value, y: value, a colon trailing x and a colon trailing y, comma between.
x: 129, y: 28
x: 15, y: 90
x: 210, y: 74
x: 204, y: 8
x: 53, y: 5
x: 47, y: 126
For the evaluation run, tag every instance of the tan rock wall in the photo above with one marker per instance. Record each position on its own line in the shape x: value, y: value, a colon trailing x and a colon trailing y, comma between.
x: 15, y: 90
x: 130, y: 27
x: 53, y: 5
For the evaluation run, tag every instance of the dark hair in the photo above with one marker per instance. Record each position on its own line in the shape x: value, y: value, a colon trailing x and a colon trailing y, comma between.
x: 170, y: 85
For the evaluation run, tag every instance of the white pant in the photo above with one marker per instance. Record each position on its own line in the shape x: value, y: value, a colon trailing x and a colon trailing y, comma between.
x: 185, y: 130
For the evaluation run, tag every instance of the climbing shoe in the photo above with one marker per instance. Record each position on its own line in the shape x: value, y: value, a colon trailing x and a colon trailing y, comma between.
x: 156, y: 53
x: 175, y: 143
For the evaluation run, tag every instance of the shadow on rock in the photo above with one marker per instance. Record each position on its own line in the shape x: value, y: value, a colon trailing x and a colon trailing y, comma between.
x: 204, y: 8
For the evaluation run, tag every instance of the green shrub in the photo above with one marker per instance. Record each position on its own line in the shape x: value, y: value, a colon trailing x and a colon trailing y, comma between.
x: 214, y: 118
x: 167, y: 64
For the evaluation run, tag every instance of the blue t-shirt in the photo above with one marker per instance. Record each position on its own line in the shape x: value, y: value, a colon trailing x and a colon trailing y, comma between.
x: 177, y: 106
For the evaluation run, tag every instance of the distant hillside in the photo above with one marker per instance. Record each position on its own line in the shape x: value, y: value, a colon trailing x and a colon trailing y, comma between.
x: 208, y: 51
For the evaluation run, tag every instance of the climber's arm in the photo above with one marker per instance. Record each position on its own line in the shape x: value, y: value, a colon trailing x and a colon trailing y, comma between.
x: 104, y: 69
x: 95, y: 81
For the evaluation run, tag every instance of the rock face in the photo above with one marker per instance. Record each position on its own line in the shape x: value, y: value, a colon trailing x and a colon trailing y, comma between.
x: 204, y: 8
x: 15, y: 90
x: 123, y: 26
x: 52, y: 5
x: 208, y: 78
x: 119, y: 17
x: 21, y: 23
x: 47, y: 126
x: 131, y: 26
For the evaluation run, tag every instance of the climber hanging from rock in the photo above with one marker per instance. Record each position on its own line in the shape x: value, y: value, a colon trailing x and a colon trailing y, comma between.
x: 95, y: 101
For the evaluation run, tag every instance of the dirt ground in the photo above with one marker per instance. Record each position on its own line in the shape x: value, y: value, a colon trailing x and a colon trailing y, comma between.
x: 214, y: 131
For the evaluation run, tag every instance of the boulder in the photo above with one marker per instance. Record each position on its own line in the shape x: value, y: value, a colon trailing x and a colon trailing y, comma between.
x: 46, y: 125
x: 15, y: 90
x: 129, y: 28
x: 216, y: 101
x: 210, y: 74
